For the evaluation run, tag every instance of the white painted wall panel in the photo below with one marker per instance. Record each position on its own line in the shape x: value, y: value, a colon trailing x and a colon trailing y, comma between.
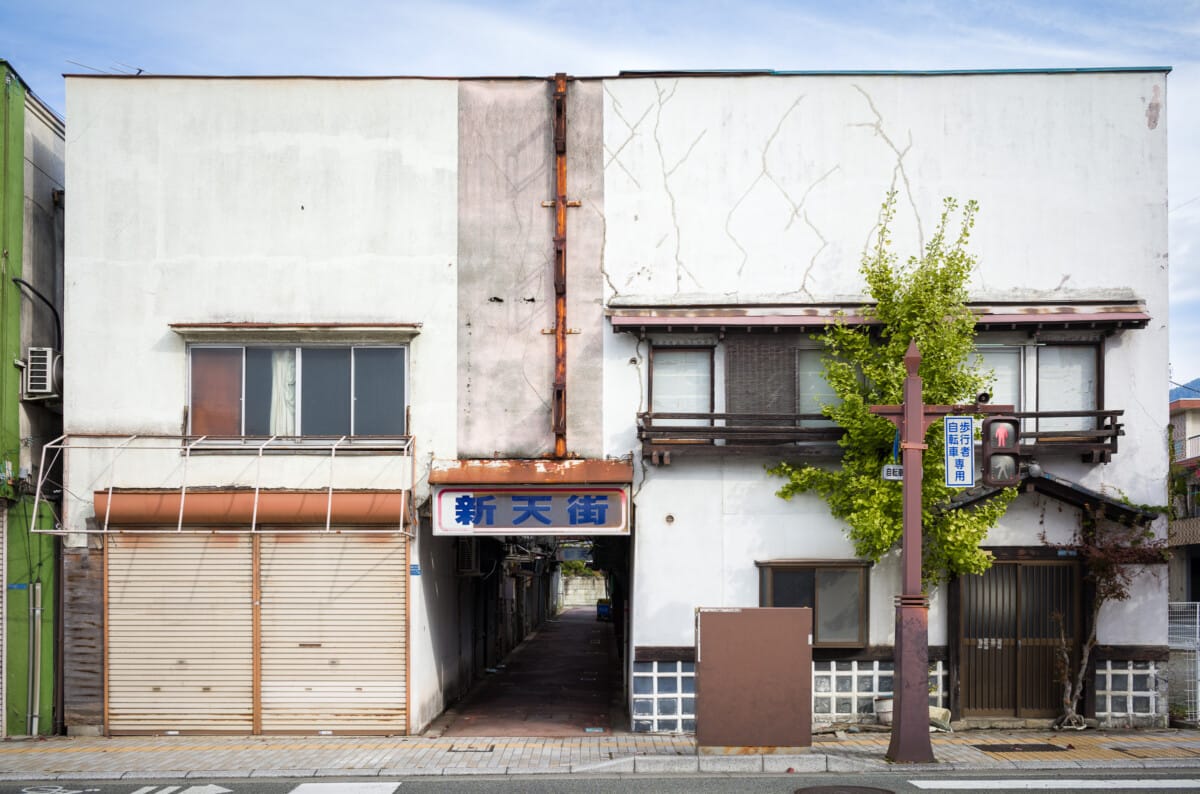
x: 254, y: 200
x: 767, y: 189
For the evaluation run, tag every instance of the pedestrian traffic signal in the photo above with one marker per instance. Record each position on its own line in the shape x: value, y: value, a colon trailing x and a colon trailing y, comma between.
x: 1001, y: 451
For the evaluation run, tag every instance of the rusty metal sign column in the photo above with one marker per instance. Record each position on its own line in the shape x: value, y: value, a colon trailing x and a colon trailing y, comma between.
x: 910, y: 726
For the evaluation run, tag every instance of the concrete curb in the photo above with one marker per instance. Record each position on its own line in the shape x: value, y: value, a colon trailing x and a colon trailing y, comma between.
x: 635, y: 765
x: 668, y: 764
x: 77, y: 775
x: 614, y: 766
x: 782, y: 764
x: 334, y: 771
x: 284, y: 772
x: 411, y: 771
x: 414, y: 757
x: 735, y: 764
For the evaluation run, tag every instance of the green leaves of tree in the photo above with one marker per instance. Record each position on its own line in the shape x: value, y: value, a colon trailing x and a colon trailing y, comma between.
x: 922, y: 300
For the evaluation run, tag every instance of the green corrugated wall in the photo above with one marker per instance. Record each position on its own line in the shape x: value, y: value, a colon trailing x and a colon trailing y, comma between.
x: 30, y: 558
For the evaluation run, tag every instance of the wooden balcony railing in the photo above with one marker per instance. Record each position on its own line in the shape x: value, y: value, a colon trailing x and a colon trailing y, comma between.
x: 666, y: 434
x: 1090, y: 434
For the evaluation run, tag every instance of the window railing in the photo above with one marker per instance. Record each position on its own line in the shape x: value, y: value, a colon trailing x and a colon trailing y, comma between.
x: 237, y: 475
x: 1090, y: 434
x: 665, y: 434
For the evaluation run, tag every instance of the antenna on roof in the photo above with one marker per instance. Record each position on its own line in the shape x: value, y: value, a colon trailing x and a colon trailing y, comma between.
x: 137, y: 69
x: 85, y: 66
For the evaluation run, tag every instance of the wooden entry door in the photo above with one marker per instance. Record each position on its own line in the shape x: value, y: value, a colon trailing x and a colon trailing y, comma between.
x: 1008, y: 636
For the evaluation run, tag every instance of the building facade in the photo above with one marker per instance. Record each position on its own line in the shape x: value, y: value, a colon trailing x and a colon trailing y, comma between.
x: 391, y: 339
x: 737, y: 210
x: 1185, y: 495
x: 31, y: 297
x: 336, y: 295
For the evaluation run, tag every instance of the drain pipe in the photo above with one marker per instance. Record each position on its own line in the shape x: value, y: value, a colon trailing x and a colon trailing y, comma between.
x: 559, y: 409
x: 558, y: 406
x: 35, y: 660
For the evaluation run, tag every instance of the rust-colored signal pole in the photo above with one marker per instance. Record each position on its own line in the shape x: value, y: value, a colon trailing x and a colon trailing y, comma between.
x: 910, y: 714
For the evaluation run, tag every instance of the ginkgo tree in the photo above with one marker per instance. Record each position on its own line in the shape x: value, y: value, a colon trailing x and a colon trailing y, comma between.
x: 922, y: 300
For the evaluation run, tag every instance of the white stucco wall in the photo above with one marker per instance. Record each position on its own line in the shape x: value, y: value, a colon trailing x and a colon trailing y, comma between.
x: 270, y: 201
x: 767, y: 189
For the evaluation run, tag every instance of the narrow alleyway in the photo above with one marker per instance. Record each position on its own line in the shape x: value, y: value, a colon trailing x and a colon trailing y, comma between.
x: 562, y: 681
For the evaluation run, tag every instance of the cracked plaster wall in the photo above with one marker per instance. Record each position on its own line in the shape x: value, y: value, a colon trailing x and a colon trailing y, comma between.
x: 506, y: 273
x: 727, y: 190
x: 769, y: 186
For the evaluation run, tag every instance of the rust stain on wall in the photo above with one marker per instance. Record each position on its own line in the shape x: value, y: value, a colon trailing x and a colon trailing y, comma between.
x: 528, y: 472
x: 1154, y: 108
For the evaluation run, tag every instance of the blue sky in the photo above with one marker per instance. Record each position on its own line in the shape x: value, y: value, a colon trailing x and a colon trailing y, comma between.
x: 45, y: 38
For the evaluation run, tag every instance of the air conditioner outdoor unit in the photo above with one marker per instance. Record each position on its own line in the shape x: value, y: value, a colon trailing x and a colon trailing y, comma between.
x: 43, y: 374
x: 466, y: 557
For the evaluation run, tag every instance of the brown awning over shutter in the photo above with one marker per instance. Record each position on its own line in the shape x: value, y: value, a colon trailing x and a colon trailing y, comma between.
x: 226, y: 507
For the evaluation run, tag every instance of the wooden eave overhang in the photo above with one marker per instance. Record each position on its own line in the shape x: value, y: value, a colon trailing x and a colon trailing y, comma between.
x: 1030, y: 317
x: 239, y: 332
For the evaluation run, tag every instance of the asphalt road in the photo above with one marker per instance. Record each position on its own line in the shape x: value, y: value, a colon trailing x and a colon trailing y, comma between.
x: 899, y: 782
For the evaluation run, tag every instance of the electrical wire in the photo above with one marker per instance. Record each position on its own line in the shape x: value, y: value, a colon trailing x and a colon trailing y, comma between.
x: 57, y: 319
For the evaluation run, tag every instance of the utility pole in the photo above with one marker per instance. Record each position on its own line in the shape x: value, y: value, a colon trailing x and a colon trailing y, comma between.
x: 910, y: 714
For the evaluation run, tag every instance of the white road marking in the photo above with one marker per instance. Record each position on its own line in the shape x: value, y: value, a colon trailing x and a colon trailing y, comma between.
x: 345, y: 788
x: 1017, y: 784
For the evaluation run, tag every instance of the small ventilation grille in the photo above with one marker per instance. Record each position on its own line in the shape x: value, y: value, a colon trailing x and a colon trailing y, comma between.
x: 467, y: 557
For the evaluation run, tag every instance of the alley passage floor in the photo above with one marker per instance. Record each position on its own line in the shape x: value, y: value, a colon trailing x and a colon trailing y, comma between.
x: 562, y: 681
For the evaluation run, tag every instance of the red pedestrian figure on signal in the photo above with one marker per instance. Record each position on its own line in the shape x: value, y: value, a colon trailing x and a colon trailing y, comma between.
x: 1001, y: 432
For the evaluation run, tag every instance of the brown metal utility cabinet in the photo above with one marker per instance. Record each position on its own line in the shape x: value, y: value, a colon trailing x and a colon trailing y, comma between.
x: 753, y: 679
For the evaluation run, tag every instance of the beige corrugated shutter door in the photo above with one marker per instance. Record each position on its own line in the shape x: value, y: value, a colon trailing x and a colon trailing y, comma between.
x: 333, y: 615
x: 179, y: 633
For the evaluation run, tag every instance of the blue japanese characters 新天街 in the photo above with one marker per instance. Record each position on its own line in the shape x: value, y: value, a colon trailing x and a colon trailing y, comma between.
x: 532, y: 510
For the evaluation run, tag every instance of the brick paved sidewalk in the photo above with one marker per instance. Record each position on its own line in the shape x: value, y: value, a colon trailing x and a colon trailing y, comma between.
x: 242, y: 756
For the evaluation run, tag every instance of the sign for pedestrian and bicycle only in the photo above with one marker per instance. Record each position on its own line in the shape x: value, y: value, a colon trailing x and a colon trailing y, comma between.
x: 960, y: 451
